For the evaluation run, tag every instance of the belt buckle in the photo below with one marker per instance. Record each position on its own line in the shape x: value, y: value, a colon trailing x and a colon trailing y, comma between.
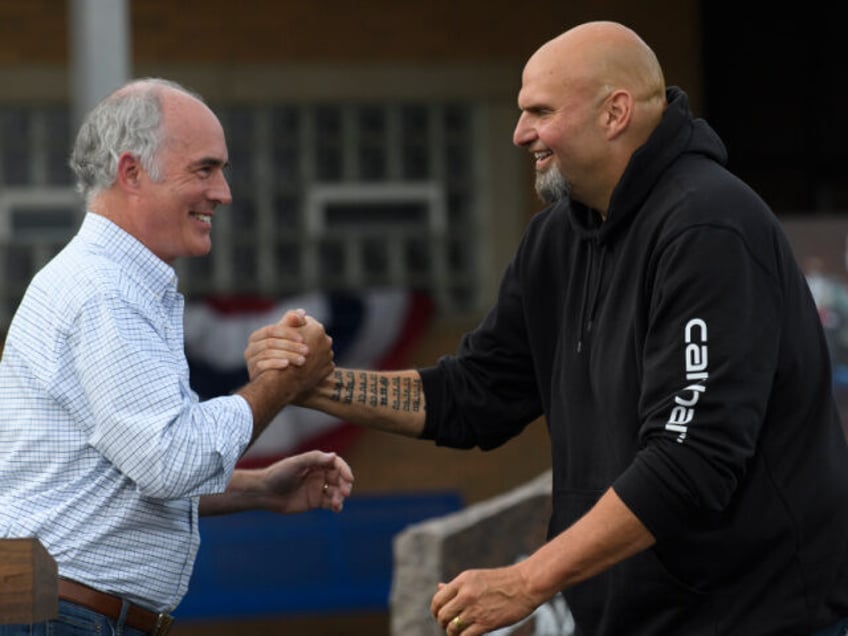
x: 163, y: 624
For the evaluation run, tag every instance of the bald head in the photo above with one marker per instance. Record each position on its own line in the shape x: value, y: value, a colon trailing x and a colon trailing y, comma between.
x: 589, y: 98
x: 594, y: 55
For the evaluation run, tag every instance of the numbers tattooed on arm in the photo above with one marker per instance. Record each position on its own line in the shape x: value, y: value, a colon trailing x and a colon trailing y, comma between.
x: 344, y: 386
x: 396, y: 394
x: 363, y: 388
x: 337, y: 388
x: 372, y: 389
x: 373, y: 392
x: 416, y: 397
x: 407, y: 394
x: 384, y: 391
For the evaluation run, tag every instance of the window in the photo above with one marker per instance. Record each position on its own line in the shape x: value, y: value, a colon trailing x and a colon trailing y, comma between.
x: 325, y: 196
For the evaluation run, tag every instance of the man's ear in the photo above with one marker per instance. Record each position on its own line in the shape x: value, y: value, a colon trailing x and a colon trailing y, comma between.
x: 618, y: 112
x: 129, y: 172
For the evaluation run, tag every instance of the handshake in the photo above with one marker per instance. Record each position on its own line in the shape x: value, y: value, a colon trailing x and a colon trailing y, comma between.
x: 287, y: 363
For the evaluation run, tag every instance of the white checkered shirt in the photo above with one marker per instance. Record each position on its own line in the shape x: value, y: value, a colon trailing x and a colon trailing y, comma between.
x: 104, y: 447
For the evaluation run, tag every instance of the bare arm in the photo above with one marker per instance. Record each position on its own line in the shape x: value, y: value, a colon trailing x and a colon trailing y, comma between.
x: 294, y: 484
x: 606, y: 535
x: 392, y: 401
x: 488, y: 599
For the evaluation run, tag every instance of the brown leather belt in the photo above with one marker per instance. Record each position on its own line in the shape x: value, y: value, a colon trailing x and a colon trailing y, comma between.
x: 108, y: 605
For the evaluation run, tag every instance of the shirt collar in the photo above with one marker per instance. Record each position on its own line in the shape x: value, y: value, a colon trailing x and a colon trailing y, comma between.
x: 135, y: 258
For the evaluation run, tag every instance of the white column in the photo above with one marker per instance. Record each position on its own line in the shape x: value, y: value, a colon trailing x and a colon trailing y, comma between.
x: 99, y: 52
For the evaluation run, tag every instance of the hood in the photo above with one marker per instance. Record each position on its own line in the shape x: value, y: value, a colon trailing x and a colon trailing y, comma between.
x: 678, y: 133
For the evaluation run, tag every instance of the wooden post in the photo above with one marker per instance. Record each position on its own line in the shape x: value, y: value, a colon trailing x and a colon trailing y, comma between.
x: 28, y: 582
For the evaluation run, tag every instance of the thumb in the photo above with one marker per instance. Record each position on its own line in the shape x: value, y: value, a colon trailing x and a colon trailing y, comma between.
x: 316, y: 459
x: 294, y: 318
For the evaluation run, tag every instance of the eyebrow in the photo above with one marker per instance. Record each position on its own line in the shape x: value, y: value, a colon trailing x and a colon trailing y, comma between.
x: 210, y: 162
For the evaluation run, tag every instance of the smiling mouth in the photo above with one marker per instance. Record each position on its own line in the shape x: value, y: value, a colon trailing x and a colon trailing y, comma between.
x: 540, y: 157
x: 205, y: 218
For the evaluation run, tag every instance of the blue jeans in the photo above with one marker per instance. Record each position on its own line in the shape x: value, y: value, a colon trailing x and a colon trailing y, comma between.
x: 74, y: 620
x: 839, y: 629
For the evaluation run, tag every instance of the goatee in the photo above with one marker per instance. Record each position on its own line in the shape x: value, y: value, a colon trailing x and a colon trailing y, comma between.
x: 551, y: 186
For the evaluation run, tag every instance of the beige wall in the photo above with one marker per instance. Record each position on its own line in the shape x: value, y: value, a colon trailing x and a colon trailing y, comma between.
x: 431, y: 31
x: 224, y: 34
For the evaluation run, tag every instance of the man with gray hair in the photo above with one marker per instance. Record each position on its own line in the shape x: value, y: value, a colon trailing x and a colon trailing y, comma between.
x: 107, y: 456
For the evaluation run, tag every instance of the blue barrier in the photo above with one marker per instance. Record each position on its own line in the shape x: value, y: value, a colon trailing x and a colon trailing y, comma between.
x: 259, y: 563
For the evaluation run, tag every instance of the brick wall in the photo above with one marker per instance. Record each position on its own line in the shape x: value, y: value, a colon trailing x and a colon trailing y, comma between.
x: 34, y: 32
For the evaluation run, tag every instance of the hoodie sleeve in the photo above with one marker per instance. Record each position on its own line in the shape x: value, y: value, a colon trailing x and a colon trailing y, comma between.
x: 709, y: 359
x: 487, y: 393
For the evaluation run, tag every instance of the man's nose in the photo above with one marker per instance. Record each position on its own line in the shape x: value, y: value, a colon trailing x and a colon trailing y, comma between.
x: 221, y: 191
x: 523, y: 133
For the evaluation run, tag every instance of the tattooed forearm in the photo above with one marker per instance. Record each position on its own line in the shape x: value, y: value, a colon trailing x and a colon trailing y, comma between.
x: 406, y: 394
x: 415, y: 396
x: 372, y: 389
x: 384, y: 391
x: 396, y: 394
x: 363, y: 387
x: 338, y: 386
x: 344, y: 386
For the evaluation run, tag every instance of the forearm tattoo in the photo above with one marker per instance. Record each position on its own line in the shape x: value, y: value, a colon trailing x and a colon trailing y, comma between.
x: 375, y: 389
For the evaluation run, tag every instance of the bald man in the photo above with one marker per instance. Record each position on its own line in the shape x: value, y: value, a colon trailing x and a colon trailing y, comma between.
x: 106, y: 454
x: 654, y: 314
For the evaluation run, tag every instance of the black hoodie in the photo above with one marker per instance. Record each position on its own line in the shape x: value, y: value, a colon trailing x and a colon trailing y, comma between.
x: 677, y: 356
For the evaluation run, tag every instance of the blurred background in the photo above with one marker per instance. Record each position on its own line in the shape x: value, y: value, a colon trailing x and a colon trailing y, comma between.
x: 375, y: 183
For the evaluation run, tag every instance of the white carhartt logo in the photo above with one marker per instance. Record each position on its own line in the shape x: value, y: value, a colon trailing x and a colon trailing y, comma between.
x: 695, y: 363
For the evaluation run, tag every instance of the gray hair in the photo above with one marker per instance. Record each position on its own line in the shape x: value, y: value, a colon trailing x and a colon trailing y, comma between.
x: 127, y: 120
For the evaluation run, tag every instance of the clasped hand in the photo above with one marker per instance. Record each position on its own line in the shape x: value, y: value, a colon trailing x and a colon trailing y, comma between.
x: 296, y: 342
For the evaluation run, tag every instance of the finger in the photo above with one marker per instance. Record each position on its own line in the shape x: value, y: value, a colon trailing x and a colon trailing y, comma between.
x: 457, y: 625
x: 312, y: 321
x: 261, y: 366
x: 334, y: 497
x: 276, y: 347
x: 276, y: 362
x: 294, y: 357
x: 446, y: 606
x: 342, y: 487
x: 339, y: 475
x: 336, y: 470
x: 259, y: 335
x: 447, y: 617
x: 279, y: 335
x: 316, y: 459
x: 444, y: 594
x: 345, y: 472
x: 294, y: 318
x: 291, y: 353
